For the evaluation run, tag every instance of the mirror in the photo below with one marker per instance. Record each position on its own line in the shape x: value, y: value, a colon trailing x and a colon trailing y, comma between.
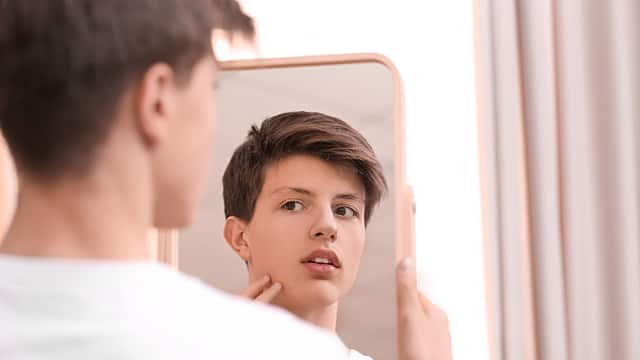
x: 363, y: 91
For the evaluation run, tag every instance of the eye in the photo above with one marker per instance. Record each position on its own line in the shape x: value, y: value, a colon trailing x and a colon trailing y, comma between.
x: 292, y: 206
x: 346, y: 212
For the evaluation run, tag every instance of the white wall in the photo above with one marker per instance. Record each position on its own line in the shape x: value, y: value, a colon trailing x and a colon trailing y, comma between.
x: 431, y: 42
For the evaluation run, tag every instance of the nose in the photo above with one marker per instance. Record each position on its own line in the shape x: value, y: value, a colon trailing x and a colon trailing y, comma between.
x: 325, y: 227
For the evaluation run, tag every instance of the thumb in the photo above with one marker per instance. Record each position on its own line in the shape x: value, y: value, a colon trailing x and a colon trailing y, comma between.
x: 409, y: 332
x: 406, y: 286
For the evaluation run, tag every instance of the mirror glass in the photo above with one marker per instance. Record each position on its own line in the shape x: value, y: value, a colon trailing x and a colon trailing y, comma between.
x: 361, y: 94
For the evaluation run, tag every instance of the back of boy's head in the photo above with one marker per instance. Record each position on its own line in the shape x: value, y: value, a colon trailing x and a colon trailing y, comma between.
x: 304, y: 133
x: 66, y: 64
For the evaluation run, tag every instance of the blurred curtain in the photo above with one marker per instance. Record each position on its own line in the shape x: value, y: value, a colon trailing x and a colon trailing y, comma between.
x: 559, y: 109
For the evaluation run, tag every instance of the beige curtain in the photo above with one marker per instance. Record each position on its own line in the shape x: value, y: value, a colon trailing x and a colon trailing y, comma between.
x: 559, y: 109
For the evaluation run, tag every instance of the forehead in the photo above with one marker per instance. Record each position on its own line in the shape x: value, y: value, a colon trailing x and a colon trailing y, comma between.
x: 313, y: 174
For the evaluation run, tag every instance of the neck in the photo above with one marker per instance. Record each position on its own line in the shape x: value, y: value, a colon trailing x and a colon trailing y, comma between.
x: 324, y: 316
x: 88, y: 218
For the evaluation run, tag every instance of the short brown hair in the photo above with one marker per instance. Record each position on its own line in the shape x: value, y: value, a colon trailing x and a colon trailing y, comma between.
x: 65, y: 65
x: 291, y: 133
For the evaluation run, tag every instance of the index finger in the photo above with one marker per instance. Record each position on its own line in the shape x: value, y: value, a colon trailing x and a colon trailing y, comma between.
x: 269, y: 294
x: 256, y: 288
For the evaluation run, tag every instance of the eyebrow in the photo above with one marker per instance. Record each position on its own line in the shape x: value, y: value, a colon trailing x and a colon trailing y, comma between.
x: 353, y: 197
x: 302, y: 191
x: 292, y: 189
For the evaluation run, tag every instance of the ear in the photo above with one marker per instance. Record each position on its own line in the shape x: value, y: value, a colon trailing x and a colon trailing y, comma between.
x: 235, y: 235
x: 155, y: 103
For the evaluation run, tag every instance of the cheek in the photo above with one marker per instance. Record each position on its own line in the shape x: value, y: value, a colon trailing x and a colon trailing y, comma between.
x: 208, y: 116
x: 197, y: 121
x: 200, y: 113
x: 276, y: 243
x: 264, y: 244
x: 353, y: 246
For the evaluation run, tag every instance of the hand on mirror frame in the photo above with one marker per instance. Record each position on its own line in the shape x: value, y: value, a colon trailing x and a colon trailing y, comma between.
x: 262, y: 290
x: 423, y: 328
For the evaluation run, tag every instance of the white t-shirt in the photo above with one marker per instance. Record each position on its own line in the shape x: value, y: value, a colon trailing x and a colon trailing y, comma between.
x: 70, y: 309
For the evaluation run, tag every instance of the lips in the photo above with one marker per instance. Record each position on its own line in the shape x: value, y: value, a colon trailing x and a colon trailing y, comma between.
x: 323, y: 257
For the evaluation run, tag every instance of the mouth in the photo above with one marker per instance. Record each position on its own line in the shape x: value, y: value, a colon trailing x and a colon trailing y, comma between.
x: 323, y: 257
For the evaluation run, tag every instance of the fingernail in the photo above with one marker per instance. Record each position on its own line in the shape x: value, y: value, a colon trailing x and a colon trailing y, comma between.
x: 265, y: 278
x: 407, y: 264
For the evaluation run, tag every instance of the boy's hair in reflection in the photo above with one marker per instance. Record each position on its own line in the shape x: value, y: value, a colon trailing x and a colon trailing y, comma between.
x: 303, y: 133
